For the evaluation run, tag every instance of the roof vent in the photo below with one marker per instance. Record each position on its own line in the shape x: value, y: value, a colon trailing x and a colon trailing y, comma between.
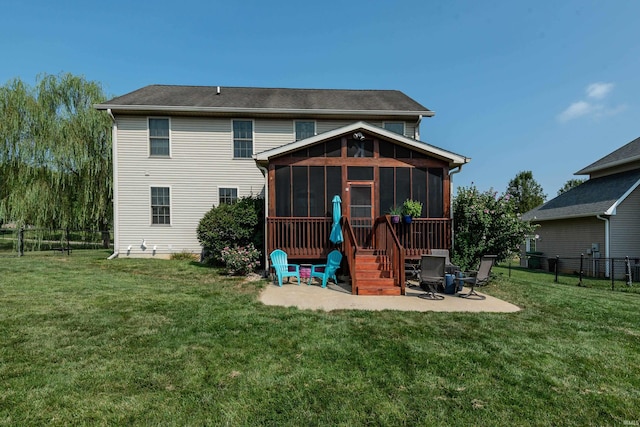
x: 218, y: 90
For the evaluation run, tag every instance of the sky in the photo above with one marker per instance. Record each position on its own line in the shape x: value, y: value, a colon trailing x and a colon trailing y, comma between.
x: 545, y: 86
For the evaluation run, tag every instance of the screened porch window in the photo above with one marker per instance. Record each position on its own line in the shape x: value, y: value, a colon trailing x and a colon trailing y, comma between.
x: 306, y: 191
x: 400, y: 184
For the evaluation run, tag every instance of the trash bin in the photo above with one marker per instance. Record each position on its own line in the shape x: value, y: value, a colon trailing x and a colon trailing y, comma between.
x: 534, y: 259
x: 449, y: 284
x: 552, y: 264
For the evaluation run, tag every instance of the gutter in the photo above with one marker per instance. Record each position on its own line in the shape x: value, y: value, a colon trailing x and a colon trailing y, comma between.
x: 267, y: 111
x: 265, y: 172
x: 114, y: 155
x: 451, y: 173
x: 607, y: 242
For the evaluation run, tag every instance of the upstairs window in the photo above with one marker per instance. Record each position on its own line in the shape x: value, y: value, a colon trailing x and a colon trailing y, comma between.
x: 160, y: 205
x: 242, y: 139
x: 305, y: 130
x: 159, y: 137
x: 397, y: 127
x: 227, y: 195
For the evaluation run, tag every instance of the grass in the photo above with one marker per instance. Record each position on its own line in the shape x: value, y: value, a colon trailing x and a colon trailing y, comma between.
x: 86, y: 341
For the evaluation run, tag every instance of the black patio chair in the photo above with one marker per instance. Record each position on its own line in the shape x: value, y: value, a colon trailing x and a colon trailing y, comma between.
x: 478, y: 277
x: 431, y: 276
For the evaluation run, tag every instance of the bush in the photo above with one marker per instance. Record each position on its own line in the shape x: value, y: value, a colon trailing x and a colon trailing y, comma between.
x: 485, y: 223
x: 228, y: 226
x: 240, y: 260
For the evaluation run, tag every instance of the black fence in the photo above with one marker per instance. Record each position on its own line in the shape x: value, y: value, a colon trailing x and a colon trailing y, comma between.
x: 17, y: 242
x: 621, y: 271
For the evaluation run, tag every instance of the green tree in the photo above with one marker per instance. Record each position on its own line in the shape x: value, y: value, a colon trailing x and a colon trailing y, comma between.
x: 526, y: 192
x: 55, y: 156
x: 485, y: 223
x: 570, y: 184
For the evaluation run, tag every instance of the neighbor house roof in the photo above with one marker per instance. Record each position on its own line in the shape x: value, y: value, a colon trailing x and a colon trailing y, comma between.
x: 597, y: 196
x: 453, y: 159
x: 626, y: 154
x: 250, y: 100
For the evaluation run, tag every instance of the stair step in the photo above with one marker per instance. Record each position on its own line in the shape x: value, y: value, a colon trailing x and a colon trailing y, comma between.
x: 378, y: 290
x: 373, y: 274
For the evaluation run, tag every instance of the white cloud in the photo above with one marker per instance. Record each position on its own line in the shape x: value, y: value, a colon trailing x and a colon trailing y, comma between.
x: 599, y: 90
x: 595, y: 110
x: 575, y: 110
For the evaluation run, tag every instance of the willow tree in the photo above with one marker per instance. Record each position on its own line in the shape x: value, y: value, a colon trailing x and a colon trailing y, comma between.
x: 55, y: 160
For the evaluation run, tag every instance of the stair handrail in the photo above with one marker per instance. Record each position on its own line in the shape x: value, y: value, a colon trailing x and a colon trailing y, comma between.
x: 350, y: 246
x: 390, y: 243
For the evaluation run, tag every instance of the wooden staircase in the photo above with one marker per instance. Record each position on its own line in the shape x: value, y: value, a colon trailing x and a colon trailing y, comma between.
x: 374, y: 274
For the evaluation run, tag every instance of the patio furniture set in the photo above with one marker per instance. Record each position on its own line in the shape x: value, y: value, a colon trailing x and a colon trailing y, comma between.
x: 434, y: 273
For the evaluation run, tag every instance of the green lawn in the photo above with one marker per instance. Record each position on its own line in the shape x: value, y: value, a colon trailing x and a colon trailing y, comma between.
x: 86, y: 341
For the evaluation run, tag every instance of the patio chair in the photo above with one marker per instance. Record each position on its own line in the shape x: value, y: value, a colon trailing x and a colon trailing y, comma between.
x: 449, y: 268
x: 478, y: 277
x: 431, y: 276
x: 327, y: 271
x: 282, y: 267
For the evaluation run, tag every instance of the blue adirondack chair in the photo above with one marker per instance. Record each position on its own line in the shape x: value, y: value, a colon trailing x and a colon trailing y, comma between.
x: 282, y: 267
x: 327, y: 271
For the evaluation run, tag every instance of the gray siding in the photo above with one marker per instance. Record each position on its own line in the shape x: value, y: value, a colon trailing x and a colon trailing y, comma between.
x: 625, y: 228
x: 568, y: 239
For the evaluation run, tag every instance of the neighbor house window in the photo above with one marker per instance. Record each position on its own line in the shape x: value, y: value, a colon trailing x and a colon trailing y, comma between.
x: 242, y: 139
x: 160, y: 205
x: 227, y: 195
x: 305, y: 130
x: 159, y: 137
x: 397, y: 127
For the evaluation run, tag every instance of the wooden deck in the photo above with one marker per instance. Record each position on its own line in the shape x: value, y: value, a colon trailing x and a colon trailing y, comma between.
x: 305, y: 238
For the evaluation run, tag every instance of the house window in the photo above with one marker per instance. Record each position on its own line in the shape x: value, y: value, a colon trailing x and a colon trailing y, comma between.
x: 397, y: 127
x: 159, y: 137
x: 305, y: 130
x: 242, y: 139
x: 227, y: 195
x: 160, y: 205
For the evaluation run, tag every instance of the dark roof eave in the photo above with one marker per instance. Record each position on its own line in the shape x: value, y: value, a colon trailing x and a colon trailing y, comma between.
x: 589, y: 170
x: 270, y: 111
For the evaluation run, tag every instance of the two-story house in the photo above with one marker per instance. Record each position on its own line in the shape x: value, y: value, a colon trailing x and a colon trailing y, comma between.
x: 598, y: 219
x: 179, y: 150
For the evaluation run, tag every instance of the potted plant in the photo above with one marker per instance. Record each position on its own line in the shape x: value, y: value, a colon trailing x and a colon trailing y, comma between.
x: 395, y: 212
x: 411, y: 209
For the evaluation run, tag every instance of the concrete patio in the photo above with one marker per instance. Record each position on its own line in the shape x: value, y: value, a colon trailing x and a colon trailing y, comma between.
x: 339, y: 297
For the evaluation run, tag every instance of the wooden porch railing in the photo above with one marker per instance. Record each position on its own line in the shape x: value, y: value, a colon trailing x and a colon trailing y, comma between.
x: 308, y: 238
x: 385, y: 238
x: 300, y: 237
x: 424, y: 234
x: 350, y: 246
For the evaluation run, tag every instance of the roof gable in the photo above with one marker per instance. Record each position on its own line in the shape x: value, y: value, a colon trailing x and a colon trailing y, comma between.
x: 598, y: 196
x: 625, y: 154
x: 453, y: 159
x: 273, y: 100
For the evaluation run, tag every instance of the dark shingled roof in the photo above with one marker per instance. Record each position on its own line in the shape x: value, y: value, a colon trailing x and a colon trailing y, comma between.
x: 267, y: 98
x: 594, y: 197
x: 624, y: 154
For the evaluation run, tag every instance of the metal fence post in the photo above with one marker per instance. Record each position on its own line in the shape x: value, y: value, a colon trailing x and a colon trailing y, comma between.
x: 20, y: 241
x: 556, y: 266
x: 612, y: 262
x: 581, y: 272
x: 627, y: 270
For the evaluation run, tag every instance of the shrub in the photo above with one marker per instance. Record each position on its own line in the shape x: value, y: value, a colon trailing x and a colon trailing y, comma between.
x: 228, y: 226
x: 485, y: 223
x: 240, y: 260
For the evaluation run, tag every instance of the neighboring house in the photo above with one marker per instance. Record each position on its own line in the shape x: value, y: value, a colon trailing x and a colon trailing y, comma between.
x: 179, y: 150
x: 599, y: 218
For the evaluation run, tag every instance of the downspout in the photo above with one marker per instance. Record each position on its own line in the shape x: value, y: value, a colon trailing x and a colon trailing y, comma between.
x: 265, y: 172
x: 453, y: 172
x: 606, y: 244
x: 416, y: 132
x: 114, y: 155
